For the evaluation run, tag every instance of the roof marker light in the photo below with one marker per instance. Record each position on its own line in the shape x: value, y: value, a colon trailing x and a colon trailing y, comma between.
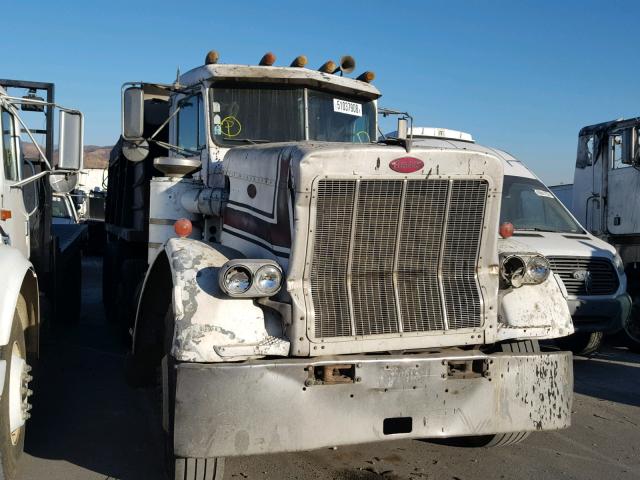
x: 367, y: 77
x: 211, y: 58
x: 328, y: 67
x: 267, y: 60
x: 300, y: 61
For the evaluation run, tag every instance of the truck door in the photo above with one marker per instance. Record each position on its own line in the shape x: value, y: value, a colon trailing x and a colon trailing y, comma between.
x: 623, y: 197
x: 14, y: 219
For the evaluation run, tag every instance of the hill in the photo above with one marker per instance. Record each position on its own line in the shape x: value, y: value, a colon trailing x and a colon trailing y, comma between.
x: 94, y: 156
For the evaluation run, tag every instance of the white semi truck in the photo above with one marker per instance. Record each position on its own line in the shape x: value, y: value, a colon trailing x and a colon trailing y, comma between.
x: 33, y: 253
x: 305, y: 286
x: 606, y: 199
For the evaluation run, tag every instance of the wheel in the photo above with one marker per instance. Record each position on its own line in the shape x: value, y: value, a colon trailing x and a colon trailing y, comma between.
x: 498, y: 439
x: 581, y: 343
x: 140, y: 367
x: 131, y: 277
x: 180, y: 468
x: 14, y: 406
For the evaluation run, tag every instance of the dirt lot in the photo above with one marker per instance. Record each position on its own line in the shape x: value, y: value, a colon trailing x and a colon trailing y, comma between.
x: 87, y: 424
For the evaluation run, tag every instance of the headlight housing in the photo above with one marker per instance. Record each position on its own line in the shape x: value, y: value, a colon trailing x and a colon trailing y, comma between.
x: 618, y: 263
x: 250, y: 278
x: 518, y: 269
x: 237, y: 280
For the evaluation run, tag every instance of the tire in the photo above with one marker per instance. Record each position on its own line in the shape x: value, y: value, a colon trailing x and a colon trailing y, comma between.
x: 582, y: 343
x: 12, y: 443
x: 138, y: 373
x: 498, y: 439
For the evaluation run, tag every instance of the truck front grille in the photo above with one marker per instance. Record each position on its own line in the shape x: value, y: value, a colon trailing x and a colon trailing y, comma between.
x: 393, y: 256
x: 586, y: 276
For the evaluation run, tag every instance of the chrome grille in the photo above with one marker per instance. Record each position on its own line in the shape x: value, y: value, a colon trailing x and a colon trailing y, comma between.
x: 393, y: 256
x: 603, y: 277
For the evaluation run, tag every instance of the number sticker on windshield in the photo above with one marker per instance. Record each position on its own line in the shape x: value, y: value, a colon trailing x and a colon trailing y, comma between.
x: 350, y: 108
x: 543, y: 193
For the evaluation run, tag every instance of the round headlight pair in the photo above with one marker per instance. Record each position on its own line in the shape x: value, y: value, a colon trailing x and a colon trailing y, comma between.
x: 520, y: 270
x: 239, y: 279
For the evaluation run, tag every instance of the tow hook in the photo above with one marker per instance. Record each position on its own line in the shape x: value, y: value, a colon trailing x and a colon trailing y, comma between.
x: 331, y: 374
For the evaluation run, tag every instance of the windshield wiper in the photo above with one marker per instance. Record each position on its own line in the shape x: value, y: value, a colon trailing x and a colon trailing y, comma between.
x: 538, y: 229
x: 245, y: 140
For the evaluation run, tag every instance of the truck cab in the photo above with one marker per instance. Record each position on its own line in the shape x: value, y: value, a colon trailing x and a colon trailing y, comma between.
x: 292, y: 266
x: 605, y: 198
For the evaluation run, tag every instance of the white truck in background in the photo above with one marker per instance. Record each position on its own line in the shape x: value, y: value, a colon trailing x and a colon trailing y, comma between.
x: 606, y: 199
x: 32, y: 252
x: 588, y: 268
x: 301, y: 285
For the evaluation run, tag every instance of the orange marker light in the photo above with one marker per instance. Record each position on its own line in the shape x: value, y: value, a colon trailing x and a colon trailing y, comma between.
x: 300, y: 61
x: 183, y: 227
x: 367, y: 76
x: 5, y: 214
x: 328, y: 67
x: 268, y: 59
x: 506, y: 230
x: 212, y: 58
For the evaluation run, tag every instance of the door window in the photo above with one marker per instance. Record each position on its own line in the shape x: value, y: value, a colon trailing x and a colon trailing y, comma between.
x: 9, y: 157
x: 191, y: 124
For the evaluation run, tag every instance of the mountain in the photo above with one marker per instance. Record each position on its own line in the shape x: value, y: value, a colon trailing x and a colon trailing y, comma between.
x: 94, y: 156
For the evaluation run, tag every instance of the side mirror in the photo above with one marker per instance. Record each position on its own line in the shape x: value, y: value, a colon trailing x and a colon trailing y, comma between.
x: 70, y: 143
x: 403, y: 128
x: 133, y: 113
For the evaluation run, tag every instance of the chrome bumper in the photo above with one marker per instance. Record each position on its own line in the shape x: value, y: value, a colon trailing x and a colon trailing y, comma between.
x: 277, y: 406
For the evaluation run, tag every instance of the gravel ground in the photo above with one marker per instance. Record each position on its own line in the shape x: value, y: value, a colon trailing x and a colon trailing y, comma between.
x: 87, y: 424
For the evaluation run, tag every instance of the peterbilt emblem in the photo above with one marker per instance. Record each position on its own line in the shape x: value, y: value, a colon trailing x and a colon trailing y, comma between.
x: 585, y: 277
x: 406, y: 164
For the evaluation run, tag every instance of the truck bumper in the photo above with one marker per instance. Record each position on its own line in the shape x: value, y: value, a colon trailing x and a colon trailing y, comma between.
x: 600, y: 315
x: 276, y: 406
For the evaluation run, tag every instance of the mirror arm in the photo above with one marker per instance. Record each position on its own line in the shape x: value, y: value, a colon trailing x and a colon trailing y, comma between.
x: 29, y: 180
x: 176, y: 148
x: 152, y: 137
x: 35, y: 143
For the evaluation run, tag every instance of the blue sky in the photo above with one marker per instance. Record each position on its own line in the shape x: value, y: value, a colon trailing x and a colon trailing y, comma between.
x: 520, y: 76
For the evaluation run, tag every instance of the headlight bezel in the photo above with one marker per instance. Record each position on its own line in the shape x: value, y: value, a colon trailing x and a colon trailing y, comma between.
x: 253, y: 266
x: 515, y: 269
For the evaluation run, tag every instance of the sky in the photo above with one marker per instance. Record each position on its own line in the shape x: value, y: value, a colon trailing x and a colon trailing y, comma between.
x: 520, y: 76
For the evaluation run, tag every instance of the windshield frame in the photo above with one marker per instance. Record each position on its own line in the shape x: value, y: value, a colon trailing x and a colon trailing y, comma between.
x: 538, y: 185
x: 210, y: 92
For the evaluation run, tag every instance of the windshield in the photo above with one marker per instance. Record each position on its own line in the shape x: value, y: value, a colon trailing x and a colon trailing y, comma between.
x: 529, y: 205
x: 250, y: 114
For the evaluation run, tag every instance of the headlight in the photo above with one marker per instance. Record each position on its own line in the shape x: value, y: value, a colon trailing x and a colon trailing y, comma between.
x: 523, y: 269
x: 237, y: 280
x: 250, y: 278
x: 268, y: 279
x: 538, y: 269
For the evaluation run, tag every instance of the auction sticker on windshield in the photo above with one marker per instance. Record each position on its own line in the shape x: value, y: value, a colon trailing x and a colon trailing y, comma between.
x: 350, y: 108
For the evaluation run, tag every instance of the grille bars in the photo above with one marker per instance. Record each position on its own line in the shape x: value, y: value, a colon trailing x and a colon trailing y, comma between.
x: 383, y: 261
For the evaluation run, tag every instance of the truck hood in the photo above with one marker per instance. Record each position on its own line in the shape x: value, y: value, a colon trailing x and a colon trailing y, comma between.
x: 553, y: 244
